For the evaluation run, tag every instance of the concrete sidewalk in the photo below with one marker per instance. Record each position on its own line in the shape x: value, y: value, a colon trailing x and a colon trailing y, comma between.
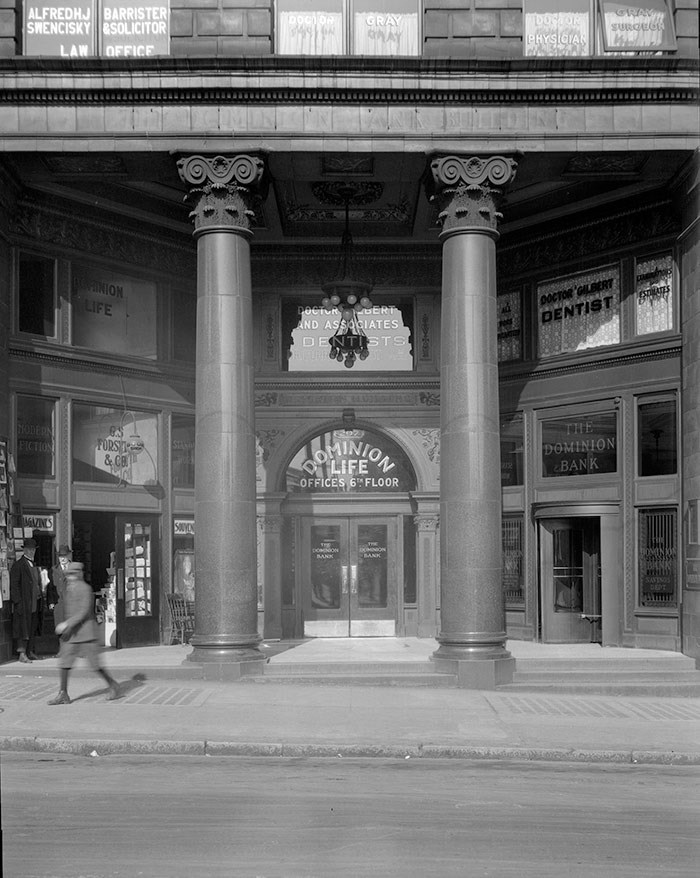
x: 173, y: 713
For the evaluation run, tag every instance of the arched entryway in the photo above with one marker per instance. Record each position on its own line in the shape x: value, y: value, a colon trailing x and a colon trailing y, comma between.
x: 350, y: 518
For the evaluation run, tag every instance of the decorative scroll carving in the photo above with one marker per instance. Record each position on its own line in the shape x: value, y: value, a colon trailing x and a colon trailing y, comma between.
x: 265, y: 400
x: 428, y: 398
x: 468, y: 190
x: 223, y: 190
x: 430, y: 439
x: 426, y: 523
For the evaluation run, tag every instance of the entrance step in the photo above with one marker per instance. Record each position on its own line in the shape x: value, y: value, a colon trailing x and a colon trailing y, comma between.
x: 409, y: 674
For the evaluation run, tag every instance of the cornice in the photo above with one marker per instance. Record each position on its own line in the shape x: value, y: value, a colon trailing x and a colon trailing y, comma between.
x: 302, y: 81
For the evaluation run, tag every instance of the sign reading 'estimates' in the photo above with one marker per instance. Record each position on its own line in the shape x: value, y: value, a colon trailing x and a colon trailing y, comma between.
x: 84, y: 28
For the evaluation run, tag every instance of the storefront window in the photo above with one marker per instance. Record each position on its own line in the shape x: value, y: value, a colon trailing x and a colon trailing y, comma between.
x: 512, y: 440
x: 183, y: 451
x: 113, y: 312
x: 308, y: 329
x: 35, y: 437
x: 37, y: 295
x: 658, y: 558
x: 579, y: 312
x: 512, y: 563
x: 579, y: 446
x: 509, y: 326
x: 114, y: 446
x: 654, y: 294
x: 658, y: 438
x: 322, y: 27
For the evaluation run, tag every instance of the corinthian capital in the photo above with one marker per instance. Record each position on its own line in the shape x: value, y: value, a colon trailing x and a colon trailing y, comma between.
x: 223, y: 190
x: 468, y: 190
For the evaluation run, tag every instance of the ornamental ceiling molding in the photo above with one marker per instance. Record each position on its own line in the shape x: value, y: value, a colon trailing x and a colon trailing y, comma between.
x: 594, y: 237
x: 89, y: 238
x: 573, y: 368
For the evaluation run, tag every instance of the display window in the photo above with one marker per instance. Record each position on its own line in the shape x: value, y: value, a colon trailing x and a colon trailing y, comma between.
x: 657, y: 552
x: 654, y: 294
x: 113, y: 312
x: 37, y: 295
x: 36, y: 430
x: 657, y: 438
x: 114, y: 446
x: 579, y: 312
x: 348, y: 27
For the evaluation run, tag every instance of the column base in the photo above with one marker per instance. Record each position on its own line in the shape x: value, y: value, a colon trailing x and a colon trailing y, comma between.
x: 476, y: 667
x: 227, y: 659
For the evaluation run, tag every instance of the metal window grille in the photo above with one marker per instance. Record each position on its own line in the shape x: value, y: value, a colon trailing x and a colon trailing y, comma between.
x: 512, y: 571
x: 658, y: 558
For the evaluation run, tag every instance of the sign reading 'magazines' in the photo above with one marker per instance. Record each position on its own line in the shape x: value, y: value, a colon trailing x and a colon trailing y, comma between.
x: 349, y: 461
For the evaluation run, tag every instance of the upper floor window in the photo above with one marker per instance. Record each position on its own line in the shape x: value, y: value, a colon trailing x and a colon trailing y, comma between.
x: 657, y: 438
x: 654, y: 297
x: 113, y: 312
x: 578, y: 28
x: 37, y: 295
x: 36, y: 431
x: 347, y: 27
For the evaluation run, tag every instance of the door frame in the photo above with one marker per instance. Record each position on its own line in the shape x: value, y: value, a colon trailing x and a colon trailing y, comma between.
x: 612, y: 589
x: 349, y: 619
x: 137, y: 630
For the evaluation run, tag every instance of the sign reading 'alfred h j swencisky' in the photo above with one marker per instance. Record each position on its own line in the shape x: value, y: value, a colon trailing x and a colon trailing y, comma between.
x: 350, y: 461
x: 84, y: 28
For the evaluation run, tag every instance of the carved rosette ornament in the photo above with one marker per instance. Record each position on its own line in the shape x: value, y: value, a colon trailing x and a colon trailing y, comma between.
x: 468, y: 191
x: 223, y: 191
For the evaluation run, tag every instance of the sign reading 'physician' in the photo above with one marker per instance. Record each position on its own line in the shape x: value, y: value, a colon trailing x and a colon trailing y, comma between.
x: 83, y: 28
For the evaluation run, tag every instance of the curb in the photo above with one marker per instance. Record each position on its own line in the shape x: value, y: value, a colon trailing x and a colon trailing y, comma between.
x: 115, y: 747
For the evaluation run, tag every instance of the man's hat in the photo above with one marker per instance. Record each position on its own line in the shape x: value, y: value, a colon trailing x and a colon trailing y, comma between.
x: 64, y: 551
x: 30, y: 544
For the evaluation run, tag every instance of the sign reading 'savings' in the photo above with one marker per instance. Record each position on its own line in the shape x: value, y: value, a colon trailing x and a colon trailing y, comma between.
x: 84, y: 28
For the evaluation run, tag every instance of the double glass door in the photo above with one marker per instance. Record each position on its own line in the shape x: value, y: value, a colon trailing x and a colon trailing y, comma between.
x: 349, y: 577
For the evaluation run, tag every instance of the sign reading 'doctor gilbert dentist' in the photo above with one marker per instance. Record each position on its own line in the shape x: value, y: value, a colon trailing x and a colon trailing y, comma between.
x: 83, y: 28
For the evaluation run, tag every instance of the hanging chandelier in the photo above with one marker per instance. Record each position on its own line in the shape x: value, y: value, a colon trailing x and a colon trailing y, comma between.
x: 348, y: 297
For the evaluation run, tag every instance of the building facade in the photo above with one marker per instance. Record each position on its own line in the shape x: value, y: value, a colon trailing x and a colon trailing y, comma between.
x: 412, y: 288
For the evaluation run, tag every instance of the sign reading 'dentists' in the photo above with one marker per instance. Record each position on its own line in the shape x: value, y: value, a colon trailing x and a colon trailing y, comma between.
x: 114, y: 28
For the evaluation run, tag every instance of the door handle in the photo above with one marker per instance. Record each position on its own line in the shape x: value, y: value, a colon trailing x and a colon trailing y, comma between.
x: 344, y: 578
x: 353, y: 579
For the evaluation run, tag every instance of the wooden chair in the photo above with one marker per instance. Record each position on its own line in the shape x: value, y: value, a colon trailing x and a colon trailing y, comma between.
x: 181, y: 619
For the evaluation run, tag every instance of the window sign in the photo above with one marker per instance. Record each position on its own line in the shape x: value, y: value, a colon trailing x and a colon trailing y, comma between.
x: 579, y: 312
x: 654, y: 294
x: 579, y: 446
x: 114, y: 446
x: 385, y: 27
x: 637, y: 26
x: 350, y: 461
x: 310, y: 27
x: 55, y: 28
x: 135, y: 28
x: 560, y: 28
x: 35, y: 437
x: 658, y: 557
x: 82, y: 28
x: 113, y: 312
x: 389, y: 342
x: 509, y: 326
x: 183, y: 451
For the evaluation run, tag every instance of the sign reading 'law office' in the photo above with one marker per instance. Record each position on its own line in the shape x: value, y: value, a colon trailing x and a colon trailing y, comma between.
x: 83, y: 28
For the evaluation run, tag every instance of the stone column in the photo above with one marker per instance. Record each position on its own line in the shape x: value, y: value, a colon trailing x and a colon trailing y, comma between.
x: 472, y: 631
x: 226, y: 610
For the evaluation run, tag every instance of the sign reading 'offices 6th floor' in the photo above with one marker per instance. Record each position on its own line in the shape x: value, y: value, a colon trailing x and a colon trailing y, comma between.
x: 84, y: 28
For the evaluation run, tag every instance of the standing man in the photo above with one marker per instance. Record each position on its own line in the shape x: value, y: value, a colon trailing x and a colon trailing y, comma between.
x: 56, y: 589
x: 78, y: 633
x: 26, y: 597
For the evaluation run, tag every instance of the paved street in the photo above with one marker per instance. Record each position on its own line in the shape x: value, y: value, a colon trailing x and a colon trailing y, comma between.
x: 156, y: 816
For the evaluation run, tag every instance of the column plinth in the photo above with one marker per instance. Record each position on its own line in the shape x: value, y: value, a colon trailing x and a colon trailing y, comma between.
x: 226, y: 602
x: 472, y: 629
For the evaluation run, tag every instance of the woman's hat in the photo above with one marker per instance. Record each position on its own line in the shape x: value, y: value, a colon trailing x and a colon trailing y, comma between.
x: 63, y: 551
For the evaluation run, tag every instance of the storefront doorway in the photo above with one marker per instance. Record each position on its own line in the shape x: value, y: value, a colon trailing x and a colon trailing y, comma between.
x: 349, y: 576
x: 570, y: 580
x: 120, y: 554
